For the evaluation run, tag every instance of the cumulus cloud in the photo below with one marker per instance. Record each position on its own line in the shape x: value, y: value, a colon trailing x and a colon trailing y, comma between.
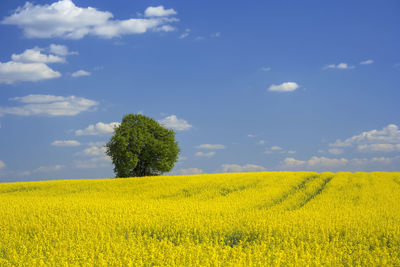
x: 66, y: 20
x: 341, y: 66
x: 35, y: 55
x: 11, y: 72
x: 205, y: 154
x: 158, y: 11
x: 49, y: 105
x: 315, y: 163
x: 94, y: 150
x: 342, y: 164
x: 241, y: 168
x: 65, y: 143
x: 174, y: 123
x: 2, y: 164
x: 188, y: 171
x: 292, y: 162
x: 98, y: 129
x: 61, y: 50
x: 384, y: 140
x: 328, y: 163
x: 376, y: 164
x: 211, y: 146
x: 80, y: 73
x: 284, y: 87
x: 379, y: 147
x: 32, y: 64
x: 94, y: 157
x: 367, y: 62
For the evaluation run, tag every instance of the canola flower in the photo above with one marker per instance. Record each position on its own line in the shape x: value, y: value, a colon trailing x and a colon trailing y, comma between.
x: 243, y: 219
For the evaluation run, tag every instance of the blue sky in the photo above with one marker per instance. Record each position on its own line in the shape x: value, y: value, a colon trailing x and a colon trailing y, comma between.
x: 267, y: 85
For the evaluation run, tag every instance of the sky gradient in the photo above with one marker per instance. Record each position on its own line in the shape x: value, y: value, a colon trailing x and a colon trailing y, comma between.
x: 266, y: 86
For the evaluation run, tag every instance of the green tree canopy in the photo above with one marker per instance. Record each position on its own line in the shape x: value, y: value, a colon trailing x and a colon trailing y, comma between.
x: 141, y: 146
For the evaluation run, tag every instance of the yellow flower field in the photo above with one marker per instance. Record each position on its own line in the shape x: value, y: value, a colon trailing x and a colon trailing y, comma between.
x: 251, y: 219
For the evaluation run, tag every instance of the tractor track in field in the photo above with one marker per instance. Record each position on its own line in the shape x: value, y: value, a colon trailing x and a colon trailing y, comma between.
x: 314, y: 193
x: 289, y: 193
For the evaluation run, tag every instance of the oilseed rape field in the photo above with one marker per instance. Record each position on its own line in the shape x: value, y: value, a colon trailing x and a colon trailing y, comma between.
x: 241, y: 219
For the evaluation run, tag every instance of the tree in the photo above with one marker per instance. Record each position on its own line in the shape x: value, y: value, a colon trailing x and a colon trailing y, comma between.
x: 141, y: 146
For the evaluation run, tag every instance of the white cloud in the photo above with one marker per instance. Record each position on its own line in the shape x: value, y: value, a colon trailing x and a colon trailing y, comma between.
x: 375, y: 163
x: 217, y: 34
x: 80, y: 73
x: 211, y: 146
x: 188, y: 171
x: 315, y: 164
x: 35, y: 55
x: 94, y: 150
x: 165, y: 28
x: 49, y: 105
x: 61, y: 50
x: 266, y: 69
x: 66, y: 20
x: 31, y: 65
x: 384, y: 140
x: 274, y: 149
x: 342, y: 164
x: 241, y: 168
x: 284, y: 87
x: 159, y: 11
x: 185, y: 34
x: 2, y: 164
x: 367, y: 62
x: 336, y: 151
x: 49, y: 168
x: 378, y: 148
x: 291, y: 152
x: 65, y: 143
x: 251, y: 136
x: 96, y: 157
x: 342, y: 66
x: 328, y: 163
x: 11, y: 72
x: 205, y: 154
x: 98, y: 129
x: 261, y: 142
x: 292, y: 162
x: 174, y: 123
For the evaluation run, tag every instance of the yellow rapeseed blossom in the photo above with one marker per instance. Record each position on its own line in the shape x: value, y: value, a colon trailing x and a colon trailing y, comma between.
x: 243, y: 219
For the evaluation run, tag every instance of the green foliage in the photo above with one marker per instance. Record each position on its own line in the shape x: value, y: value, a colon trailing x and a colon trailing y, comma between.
x: 141, y: 146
